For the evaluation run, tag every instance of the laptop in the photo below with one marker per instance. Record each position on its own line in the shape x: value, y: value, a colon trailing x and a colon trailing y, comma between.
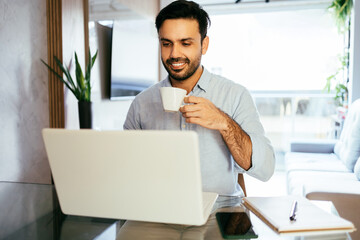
x: 146, y: 175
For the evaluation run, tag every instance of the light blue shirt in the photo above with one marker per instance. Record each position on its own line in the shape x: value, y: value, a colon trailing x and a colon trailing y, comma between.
x: 219, y: 170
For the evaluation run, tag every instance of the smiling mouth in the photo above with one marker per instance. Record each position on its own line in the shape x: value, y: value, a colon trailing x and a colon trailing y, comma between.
x: 177, y: 66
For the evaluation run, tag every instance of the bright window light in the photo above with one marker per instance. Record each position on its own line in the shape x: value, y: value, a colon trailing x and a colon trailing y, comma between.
x: 282, y: 50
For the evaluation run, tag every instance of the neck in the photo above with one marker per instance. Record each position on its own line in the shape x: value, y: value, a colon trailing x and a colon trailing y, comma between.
x: 189, y: 83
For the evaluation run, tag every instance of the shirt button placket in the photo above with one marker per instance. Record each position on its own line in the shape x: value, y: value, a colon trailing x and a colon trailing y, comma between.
x: 182, y: 123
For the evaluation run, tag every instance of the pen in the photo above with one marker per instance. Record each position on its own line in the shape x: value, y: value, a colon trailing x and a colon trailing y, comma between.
x: 293, y: 211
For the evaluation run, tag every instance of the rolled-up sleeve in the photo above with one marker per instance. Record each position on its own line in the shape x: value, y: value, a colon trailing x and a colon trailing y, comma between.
x: 263, y: 157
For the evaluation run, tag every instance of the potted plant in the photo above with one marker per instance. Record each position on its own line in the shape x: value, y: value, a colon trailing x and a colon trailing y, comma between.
x: 81, y: 88
x: 341, y: 90
x: 341, y: 10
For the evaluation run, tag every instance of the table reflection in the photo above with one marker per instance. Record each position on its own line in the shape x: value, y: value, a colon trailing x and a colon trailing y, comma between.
x: 146, y: 230
x: 31, y: 211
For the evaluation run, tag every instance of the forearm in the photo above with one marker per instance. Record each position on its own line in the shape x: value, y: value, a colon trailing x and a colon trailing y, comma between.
x: 206, y: 114
x: 238, y: 142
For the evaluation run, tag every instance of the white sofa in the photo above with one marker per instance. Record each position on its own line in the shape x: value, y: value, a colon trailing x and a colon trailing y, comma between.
x: 330, y: 169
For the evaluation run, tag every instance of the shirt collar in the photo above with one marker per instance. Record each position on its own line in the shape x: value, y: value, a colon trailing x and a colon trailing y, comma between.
x: 167, y: 82
x: 203, y: 82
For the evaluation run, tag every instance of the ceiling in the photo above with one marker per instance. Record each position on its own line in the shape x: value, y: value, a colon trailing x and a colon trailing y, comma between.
x: 107, y: 10
x: 113, y: 9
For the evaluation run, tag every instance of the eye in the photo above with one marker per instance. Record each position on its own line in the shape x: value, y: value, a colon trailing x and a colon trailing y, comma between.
x: 165, y: 44
x: 186, y: 44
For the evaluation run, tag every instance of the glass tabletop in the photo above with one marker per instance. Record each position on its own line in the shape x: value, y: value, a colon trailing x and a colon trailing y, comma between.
x: 210, y: 231
x: 31, y: 211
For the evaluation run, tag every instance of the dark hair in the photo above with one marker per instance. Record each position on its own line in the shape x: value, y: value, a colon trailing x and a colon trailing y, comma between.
x: 187, y: 10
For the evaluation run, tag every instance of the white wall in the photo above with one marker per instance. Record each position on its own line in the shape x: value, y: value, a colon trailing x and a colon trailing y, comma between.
x: 109, y: 114
x: 23, y: 92
x: 354, y: 86
x: 147, y: 8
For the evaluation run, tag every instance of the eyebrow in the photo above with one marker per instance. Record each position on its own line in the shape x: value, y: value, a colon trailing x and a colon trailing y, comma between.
x: 182, y: 40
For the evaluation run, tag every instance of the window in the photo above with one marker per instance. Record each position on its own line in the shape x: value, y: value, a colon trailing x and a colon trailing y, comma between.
x: 283, y: 50
x: 283, y: 58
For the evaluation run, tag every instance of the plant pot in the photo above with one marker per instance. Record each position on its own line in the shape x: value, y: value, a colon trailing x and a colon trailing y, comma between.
x: 85, y: 114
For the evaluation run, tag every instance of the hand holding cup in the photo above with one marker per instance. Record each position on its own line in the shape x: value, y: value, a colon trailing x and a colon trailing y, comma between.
x: 172, y: 98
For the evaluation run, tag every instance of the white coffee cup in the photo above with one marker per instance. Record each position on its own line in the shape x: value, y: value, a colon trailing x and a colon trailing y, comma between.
x: 172, y: 98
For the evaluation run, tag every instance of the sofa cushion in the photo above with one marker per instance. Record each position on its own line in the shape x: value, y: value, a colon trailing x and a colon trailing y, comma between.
x: 314, y: 162
x: 313, y: 145
x: 348, y: 146
x: 357, y: 169
x: 304, y: 182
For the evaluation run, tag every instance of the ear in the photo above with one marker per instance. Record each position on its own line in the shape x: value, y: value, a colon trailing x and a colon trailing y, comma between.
x: 205, y: 45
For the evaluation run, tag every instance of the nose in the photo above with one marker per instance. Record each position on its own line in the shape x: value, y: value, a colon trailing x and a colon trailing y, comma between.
x: 175, y: 51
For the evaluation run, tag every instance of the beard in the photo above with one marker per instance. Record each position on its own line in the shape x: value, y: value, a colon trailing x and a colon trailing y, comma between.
x: 184, y: 73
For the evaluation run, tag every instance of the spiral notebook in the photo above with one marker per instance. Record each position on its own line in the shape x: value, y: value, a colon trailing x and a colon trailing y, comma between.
x: 275, y: 211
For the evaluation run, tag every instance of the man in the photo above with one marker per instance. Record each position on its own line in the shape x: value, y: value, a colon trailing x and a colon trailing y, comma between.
x: 223, y: 113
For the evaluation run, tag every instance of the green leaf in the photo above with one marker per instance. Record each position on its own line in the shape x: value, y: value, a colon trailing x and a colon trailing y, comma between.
x: 59, y: 77
x: 66, y: 72
x: 80, y: 79
x: 342, y: 12
x: 88, y: 73
x: 94, y: 58
x: 82, y: 87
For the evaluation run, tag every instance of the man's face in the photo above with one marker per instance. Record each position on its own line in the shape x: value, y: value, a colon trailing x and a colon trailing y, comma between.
x: 181, y: 47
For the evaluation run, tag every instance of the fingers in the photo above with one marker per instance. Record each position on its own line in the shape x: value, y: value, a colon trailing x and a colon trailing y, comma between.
x: 190, y: 108
x: 196, y: 104
x: 203, y: 112
x: 193, y: 99
x: 195, y: 120
x: 192, y: 114
x: 193, y: 110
